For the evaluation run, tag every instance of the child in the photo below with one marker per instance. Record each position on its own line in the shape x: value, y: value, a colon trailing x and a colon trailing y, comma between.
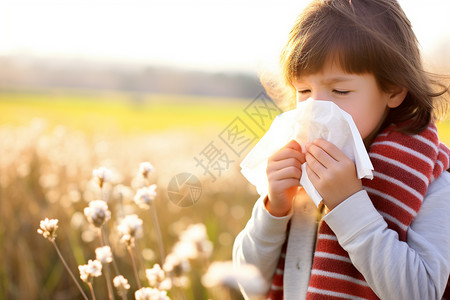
x: 385, y: 238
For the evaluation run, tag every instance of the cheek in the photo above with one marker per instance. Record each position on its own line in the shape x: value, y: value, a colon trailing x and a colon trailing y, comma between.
x: 358, y: 116
x: 364, y: 129
x: 362, y: 126
x: 369, y: 122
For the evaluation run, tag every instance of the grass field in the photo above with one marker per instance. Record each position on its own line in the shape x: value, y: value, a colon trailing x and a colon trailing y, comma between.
x: 121, y: 112
x: 50, y: 143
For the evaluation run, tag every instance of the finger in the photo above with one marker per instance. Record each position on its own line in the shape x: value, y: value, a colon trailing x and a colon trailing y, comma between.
x: 285, y: 173
x: 286, y: 153
x: 294, y: 145
x: 289, y: 162
x: 315, y: 165
x: 313, y: 177
x: 321, y: 155
x: 330, y: 148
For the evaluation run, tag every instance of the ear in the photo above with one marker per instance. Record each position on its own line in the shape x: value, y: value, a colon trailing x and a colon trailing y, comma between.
x: 396, y: 96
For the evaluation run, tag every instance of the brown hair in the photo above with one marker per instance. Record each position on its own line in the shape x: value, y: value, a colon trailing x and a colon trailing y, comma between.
x: 365, y: 36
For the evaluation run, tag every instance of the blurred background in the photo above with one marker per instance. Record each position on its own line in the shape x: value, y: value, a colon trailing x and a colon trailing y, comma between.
x: 85, y: 84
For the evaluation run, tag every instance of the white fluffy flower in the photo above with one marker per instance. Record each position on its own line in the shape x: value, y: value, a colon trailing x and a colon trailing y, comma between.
x: 224, y: 274
x: 121, y: 284
x: 97, y: 212
x: 145, y: 196
x: 194, y: 232
x: 92, y: 269
x: 102, y: 175
x: 155, y: 275
x: 143, y: 293
x: 146, y: 169
x: 194, y: 242
x: 147, y: 293
x: 176, y: 265
x: 103, y: 254
x: 166, y: 284
x: 129, y: 229
x: 185, y: 249
x: 48, y: 228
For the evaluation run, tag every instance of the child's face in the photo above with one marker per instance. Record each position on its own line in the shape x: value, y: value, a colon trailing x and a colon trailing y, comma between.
x: 357, y: 94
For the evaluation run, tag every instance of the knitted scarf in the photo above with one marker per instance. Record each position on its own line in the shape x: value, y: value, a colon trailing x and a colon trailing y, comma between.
x: 404, y: 166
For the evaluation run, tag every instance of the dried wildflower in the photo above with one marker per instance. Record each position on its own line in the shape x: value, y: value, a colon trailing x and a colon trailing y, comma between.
x: 145, y: 196
x: 176, y: 265
x: 102, y: 175
x: 147, y: 293
x: 92, y: 269
x: 145, y: 169
x: 194, y: 242
x: 166, y: 284
x: 97, y: 212
x: 121, y: 284
x: 224, y: 274
x: 48, y: 228
x: 129, y: 229
x: 103, y: 254
x: 144, y: 293
x: 185, y: 249
x: 155, y: 275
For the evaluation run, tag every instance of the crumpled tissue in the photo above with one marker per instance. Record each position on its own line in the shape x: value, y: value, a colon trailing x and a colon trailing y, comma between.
x: 312, y: 119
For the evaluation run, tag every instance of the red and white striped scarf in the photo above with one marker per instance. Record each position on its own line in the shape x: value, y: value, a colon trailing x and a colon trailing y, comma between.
x: 404, y: 166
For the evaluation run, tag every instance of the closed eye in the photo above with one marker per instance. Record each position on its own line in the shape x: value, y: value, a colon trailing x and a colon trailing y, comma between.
x: 304, y: 91
x: 340, y: 92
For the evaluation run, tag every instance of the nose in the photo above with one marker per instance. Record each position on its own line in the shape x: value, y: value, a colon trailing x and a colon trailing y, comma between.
x: 319, y: 95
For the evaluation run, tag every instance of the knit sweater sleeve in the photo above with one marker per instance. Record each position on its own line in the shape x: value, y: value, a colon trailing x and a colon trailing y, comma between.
x: 260, y: 242
x: 416, y: 269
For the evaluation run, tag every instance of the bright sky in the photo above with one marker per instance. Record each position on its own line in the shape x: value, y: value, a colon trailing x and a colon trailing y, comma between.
x: 213, y: 35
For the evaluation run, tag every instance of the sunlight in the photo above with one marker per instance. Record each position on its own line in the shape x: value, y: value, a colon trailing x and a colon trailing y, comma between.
x: 206, y: 35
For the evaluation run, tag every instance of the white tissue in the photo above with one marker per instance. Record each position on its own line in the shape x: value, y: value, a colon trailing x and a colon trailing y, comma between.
x: 312, y: 119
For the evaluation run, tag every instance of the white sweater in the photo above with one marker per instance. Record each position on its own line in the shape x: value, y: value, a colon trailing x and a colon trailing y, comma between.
x: 416, y: 269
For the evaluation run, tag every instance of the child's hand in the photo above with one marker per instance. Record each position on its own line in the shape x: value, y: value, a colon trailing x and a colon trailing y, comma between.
x: 331, y: 172
x: 283, y: 173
